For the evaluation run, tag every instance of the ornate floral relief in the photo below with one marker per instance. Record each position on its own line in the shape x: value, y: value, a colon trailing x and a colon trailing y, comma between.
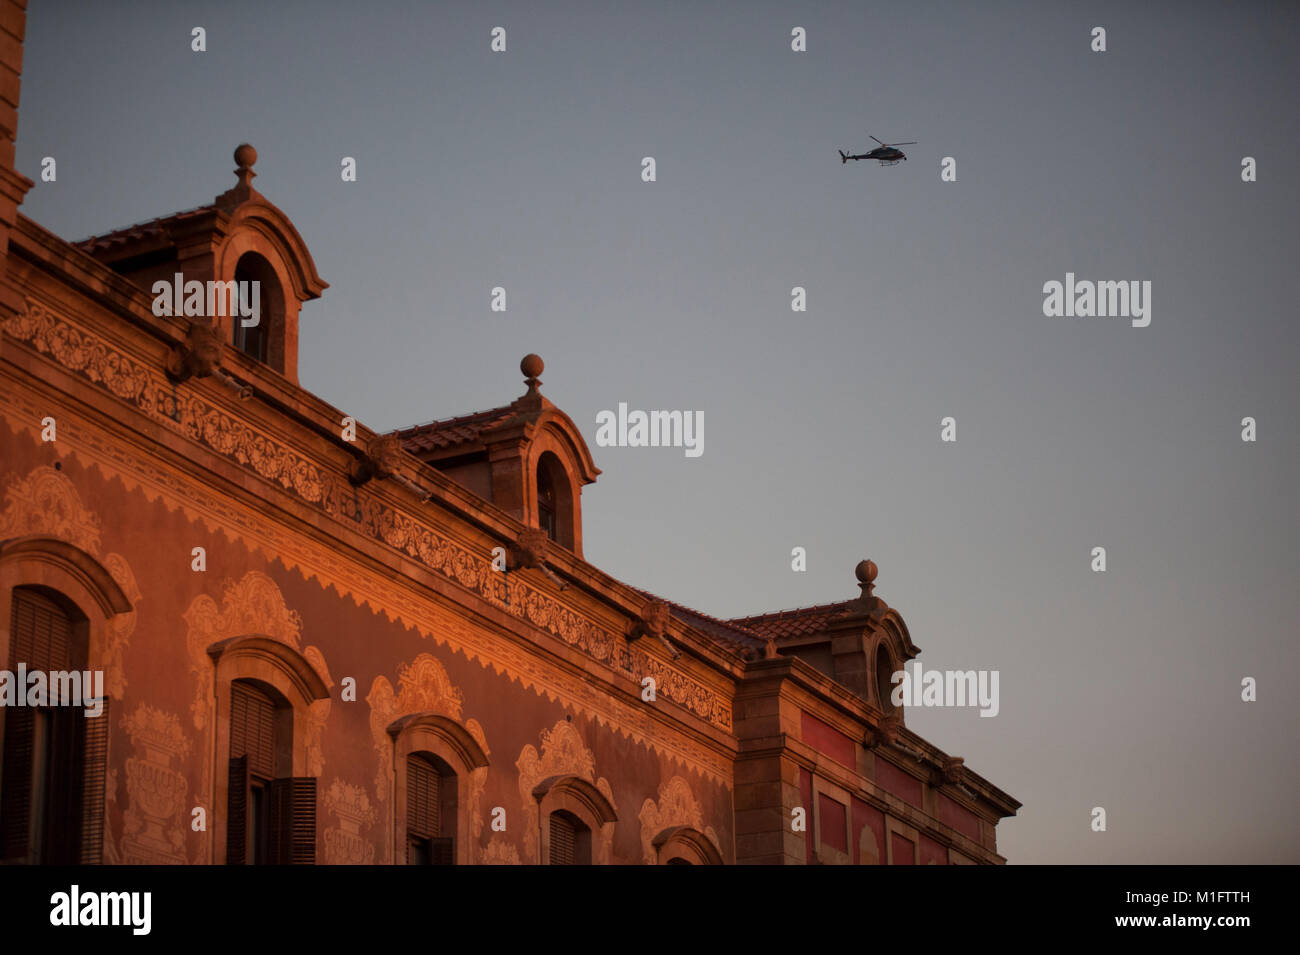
x: 422, y: 687
x: 154, y: 822
x: 563, y: 754
x: 317, y: 714
x: 676, y: 807
x: 499, y: 852
x: 477, y: 782
x: 345, y: 844
x: 186, y: 411
x: 121, y: 627
x: 94, y: 359
x: 46, y: 502
x: 253, y: 605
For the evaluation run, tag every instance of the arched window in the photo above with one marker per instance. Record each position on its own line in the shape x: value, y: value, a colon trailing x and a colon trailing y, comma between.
x: 430, y: 811
x: 570, y: 840
x: 555, y: 506
x: 546, y: 503
x: 263, y: 341
x: 682, y: 845
x: 437, y: 764
x: 575, y: 821
x: 51, y: 798
x: 271, y: 815
x: 263, y: 736
x: 884, y: 672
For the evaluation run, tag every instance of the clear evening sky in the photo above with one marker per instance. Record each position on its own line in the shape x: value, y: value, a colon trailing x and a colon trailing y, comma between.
x: 1118, y: 689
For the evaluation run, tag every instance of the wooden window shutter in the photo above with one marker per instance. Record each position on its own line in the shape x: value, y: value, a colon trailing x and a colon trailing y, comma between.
x: 42, y: 633
x: 442, y: 851
x: 293, y: 820
x: 422, y: 798
x: 41, y: 637
x: 237, y: 805
x: 92, y: 788
x: 16, y: 797
x: 252, y: 728
x: 564, y: 841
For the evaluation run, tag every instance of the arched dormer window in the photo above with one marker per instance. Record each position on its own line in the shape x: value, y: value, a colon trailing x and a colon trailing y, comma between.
x: 554, y: 500
x: 263, y: 341
x: 546, y: 503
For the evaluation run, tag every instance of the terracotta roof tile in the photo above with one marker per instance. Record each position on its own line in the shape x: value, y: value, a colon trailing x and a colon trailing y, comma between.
x: 450, y: 432
x: 139, y: 231
x: 725, y: 633
x: 792, y: 624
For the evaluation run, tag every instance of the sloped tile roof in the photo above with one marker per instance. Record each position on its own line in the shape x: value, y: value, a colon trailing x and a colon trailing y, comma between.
x: 450, y: 432
x: 138, y: 232
x: 728, y: 635
x: 791, y: 624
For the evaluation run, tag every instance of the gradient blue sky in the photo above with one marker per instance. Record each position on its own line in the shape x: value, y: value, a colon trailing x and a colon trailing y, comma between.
x: 522, y: 170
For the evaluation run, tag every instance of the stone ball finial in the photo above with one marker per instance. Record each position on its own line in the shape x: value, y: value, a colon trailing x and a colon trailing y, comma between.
x: 866, y: 572
x: 245, y: 155
x: 532, y: 366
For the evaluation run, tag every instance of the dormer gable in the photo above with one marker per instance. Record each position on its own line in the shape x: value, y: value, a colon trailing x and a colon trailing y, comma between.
x: 203, y: 264
x: 527, y: 457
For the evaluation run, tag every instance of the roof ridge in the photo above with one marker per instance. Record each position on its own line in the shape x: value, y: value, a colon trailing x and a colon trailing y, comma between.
x: 456, y: 419
x: 795, y: 611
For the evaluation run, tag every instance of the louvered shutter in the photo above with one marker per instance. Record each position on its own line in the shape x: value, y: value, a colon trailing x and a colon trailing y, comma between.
x: 41, y: 637
x: 442, y: 851
x: 16, y: 798
x: 41, y: 633
x: 422, y: 798
x: 92, y: 788
x: 237, y: 805
x: 564, y: 841
x: 293, y: 820
x: 252, y: 729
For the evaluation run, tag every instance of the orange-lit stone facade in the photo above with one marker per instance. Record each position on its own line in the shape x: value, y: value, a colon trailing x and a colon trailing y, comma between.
x: 207, y: 522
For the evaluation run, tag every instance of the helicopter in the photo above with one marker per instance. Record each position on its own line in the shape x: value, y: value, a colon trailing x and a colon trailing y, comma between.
x: 885, y: 153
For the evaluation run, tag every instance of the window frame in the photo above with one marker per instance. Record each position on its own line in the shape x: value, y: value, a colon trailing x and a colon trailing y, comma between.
x: 276, y: 665
x: 452, y: 743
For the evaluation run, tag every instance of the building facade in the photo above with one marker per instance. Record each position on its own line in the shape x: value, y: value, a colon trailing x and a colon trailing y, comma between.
x: 320, y: 643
